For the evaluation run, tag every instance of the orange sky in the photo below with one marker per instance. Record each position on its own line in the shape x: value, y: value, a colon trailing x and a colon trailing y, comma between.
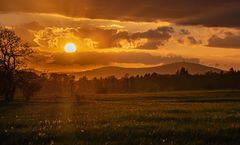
x: 123, y: 33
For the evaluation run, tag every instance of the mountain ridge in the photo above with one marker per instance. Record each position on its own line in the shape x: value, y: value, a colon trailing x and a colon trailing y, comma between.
x: 172, y: 68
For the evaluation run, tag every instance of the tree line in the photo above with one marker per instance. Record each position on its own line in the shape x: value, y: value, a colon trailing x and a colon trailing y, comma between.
x: 63, y: 85
x: 154, y: 82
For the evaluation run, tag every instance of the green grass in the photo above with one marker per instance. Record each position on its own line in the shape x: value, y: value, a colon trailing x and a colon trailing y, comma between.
x: 171, y: 118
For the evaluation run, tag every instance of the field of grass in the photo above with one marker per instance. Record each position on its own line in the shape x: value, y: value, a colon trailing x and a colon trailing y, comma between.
x: 169, y: 118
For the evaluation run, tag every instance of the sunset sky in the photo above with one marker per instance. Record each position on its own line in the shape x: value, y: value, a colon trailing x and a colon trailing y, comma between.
x: 128, y: 33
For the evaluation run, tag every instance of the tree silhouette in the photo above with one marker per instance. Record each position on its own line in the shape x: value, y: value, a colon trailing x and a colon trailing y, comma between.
x: 183, y: 72
x: 12, y: 53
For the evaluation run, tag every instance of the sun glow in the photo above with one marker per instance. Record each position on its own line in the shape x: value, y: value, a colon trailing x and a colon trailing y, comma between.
x: 70, y: 48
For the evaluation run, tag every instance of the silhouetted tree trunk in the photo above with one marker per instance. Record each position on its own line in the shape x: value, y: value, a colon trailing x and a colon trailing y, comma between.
x: 9, y: 86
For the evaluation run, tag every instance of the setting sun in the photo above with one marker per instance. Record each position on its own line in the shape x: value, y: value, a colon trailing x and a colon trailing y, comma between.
x: 70, y: 48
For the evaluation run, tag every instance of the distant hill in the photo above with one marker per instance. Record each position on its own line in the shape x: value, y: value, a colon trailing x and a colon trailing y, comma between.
x: 193, y: 68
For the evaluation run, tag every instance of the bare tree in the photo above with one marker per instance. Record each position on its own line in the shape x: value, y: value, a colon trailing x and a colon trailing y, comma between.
x: 12, y: 54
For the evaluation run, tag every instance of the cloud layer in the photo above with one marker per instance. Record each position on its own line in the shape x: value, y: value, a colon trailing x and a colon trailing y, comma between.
x: 230, y: 40
x: 224, y: 13
x: 140, y: 32
x: 108, y: 58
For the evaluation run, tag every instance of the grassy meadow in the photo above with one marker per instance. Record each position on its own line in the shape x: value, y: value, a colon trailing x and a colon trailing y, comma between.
x: 169, y: 118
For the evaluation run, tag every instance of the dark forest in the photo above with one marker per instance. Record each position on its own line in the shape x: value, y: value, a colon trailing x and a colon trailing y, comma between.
x: 29, y: 83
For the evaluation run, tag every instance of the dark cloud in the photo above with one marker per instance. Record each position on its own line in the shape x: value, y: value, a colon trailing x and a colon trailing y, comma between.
x: 181, y: 41
x: 161, y: 32
x: 155, y: 37
x: 189, y: 39
x: 194, y: 41
x: 189, y: 12
x: 184, y: 32
x: 152, y: 44
x: 229, y: 41
x: 223, y: 17
x: 111, y: 38
x: 107, y: 58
